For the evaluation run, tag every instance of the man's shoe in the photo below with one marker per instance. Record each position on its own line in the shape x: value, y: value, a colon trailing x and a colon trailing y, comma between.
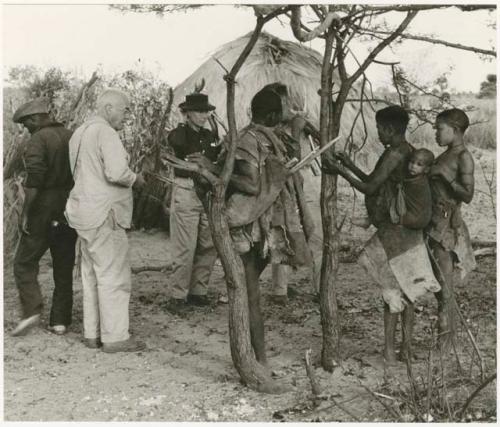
x: 25, y: 325
x: 198, y: 300
x: 129, y: 346
x: 92, y: 342
x: 176, y: 306
x: 58, y: 329
x: 279, y: 299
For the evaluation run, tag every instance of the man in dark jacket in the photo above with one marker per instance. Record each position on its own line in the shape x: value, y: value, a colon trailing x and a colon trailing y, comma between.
x: 42, y: 224
x: 193, y: 252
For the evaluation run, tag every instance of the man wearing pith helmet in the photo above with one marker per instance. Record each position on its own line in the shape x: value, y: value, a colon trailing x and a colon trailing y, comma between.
x: 42, y: 225
x: 193, y: 252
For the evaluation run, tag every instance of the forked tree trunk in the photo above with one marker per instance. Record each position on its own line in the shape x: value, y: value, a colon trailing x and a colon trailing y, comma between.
x: 252, y: 373
x: 329, y: 265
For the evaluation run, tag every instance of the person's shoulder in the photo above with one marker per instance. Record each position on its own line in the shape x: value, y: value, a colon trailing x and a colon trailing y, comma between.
x: 399, y: 152
x: 178, y: 134
x: 246, y: 136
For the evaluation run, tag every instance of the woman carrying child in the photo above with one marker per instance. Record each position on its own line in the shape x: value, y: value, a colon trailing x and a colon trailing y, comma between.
x: 395, y: 256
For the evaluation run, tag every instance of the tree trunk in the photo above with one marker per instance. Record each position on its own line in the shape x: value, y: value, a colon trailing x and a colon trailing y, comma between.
x: 328, y: 201
x: 252, y: 373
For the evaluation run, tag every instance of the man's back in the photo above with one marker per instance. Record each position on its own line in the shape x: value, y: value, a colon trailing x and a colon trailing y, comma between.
x: 102, y: 177
x: 46, y: 158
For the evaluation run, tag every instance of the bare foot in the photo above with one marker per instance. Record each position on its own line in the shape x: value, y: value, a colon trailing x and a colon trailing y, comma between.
x: 390, y: 358
x: 405, y: 354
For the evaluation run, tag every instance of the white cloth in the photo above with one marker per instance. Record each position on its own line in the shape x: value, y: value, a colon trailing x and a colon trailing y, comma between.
x: 103, y: 179
x: 106, y: 281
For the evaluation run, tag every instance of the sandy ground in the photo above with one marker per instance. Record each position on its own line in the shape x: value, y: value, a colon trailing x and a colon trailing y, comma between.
x: 186, y: 373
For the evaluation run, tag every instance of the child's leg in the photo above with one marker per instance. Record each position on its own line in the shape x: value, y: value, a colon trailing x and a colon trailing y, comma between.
x: 253, y: 268
x: 445, y: 297
x: 407, y: 322
x: 390, y: 321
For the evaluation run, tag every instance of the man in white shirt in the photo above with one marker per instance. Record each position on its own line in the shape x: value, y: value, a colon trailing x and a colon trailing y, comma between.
x: 99, y: 208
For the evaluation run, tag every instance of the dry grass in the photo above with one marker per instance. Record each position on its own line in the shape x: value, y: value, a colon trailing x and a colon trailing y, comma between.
x: 481, y: 133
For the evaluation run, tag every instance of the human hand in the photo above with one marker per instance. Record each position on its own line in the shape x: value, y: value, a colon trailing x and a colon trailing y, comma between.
x: 200, y: 160
x: 343, y: 158
x: 23, y: 224
x: 331, y: 166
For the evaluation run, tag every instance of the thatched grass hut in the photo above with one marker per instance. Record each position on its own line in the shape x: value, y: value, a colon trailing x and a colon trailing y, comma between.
x: 272, y: 60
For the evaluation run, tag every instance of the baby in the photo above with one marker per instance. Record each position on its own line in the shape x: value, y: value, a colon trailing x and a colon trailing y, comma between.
x: 420, y: 162
x: 411, y: 205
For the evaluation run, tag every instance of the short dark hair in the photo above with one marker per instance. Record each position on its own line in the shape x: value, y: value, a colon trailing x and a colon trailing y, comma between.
x: 264, y: 102
x: 426, y: 154
x: 394, y: 116
x: 455, y: 117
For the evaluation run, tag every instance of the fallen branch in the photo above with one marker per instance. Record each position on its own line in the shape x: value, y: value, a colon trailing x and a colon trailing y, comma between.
x: 485, y: 252
x: 379, y: 400
x: 475, y: 393
x: 483, y: 243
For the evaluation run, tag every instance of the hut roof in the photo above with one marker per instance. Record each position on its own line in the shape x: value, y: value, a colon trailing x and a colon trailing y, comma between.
x: 272, y: 60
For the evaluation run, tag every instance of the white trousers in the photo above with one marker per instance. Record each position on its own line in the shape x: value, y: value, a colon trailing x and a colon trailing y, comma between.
x: 106, y: 281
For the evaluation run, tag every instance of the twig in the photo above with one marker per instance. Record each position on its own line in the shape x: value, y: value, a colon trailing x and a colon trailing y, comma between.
x: 475, y: 393
x: 433, y: 40
x: 343, y: 408
x: 316, y: 389
x: 220, y: 63
x: 312, y: 155
x: 378, y: 399
x: 429, y: 383
x: 471, y: 338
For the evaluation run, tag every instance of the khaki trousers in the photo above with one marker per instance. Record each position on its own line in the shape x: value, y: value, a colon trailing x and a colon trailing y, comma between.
x: 280, y: 272
x: 193, y: 251
x: 106, y: 281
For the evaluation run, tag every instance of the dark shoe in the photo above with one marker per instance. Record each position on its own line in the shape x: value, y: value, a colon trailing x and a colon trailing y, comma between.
x: 176, y: 306
x: 129, y: 345
x: 198, y: 300
x: 279, y: 299
x: 58, y: 329
x: 292, y: 292
x: 92, y: 342
x: 25, y: 325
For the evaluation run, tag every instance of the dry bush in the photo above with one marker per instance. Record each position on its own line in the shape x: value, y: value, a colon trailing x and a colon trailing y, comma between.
x: 72, y: 101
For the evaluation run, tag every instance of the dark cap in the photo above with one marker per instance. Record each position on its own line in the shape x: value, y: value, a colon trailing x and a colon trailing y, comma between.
x: 37, y: 106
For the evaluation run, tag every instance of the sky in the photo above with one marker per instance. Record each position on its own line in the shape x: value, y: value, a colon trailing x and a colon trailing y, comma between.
x: 80, y: 38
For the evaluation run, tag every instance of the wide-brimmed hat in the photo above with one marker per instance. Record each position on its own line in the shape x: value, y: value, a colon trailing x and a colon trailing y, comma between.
x: 196, y: 102
x: 37, y: 106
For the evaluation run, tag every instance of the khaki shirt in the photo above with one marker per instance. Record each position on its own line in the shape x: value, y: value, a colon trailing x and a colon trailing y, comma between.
x: 103, y: 179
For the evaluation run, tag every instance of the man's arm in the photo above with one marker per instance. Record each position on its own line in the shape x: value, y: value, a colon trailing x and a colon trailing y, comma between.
x: 245, y: 178
x: 463, y: 186
x: 36, y: 167
x: 114, y: 157
x: 349, y: 164
x: 30, y: 195
x: 380, y: 174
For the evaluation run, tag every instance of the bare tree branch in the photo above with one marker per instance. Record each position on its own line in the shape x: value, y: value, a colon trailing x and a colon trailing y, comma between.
x: 418, y: 7
x: 429, y: 39
x: 295, y: 23
x: 382, y: 45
